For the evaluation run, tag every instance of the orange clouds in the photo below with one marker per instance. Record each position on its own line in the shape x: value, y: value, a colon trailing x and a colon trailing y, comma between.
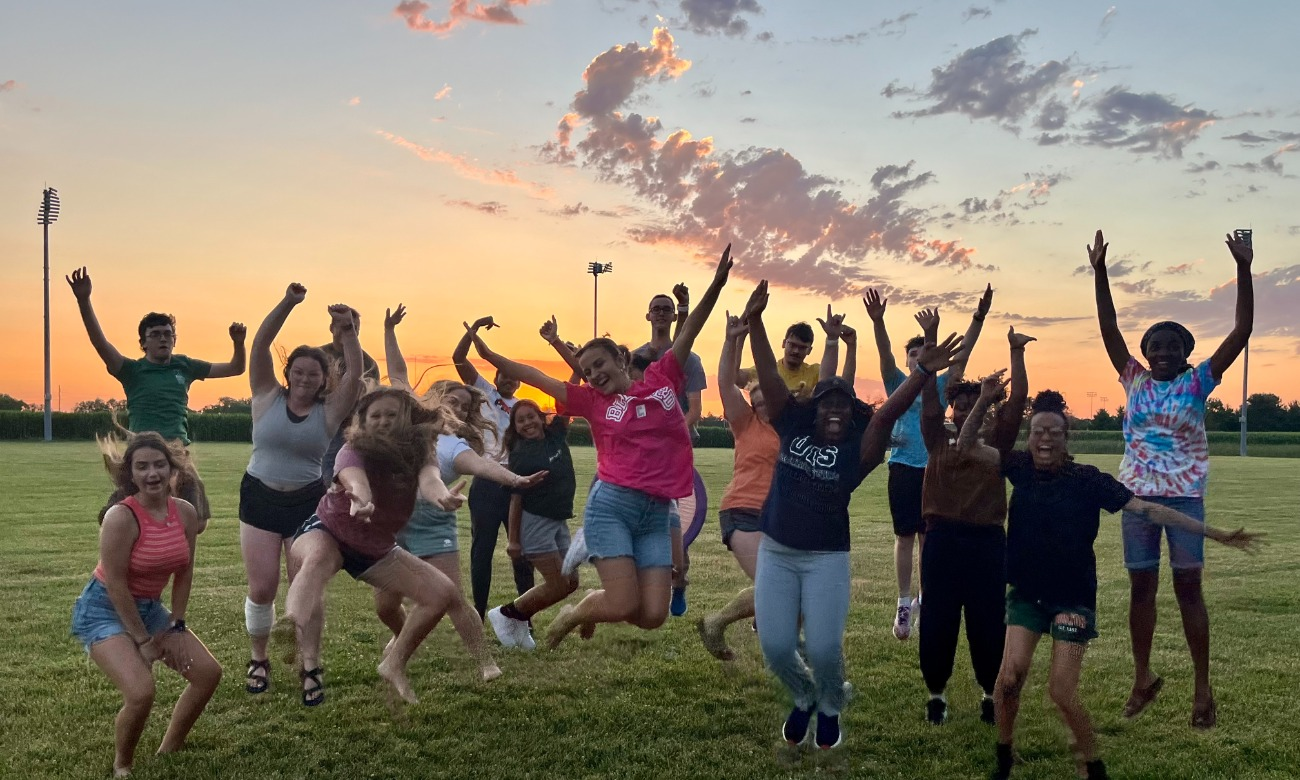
x: 466, y: 169
x: 458, y: 13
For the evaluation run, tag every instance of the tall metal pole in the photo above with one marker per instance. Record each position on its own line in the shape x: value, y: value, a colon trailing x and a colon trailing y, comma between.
x: 595, y: 303
x: 48, y: 213
x: 1245, y: 373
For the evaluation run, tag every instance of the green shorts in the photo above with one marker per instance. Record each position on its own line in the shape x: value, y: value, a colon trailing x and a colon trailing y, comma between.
x: 1041, y: 618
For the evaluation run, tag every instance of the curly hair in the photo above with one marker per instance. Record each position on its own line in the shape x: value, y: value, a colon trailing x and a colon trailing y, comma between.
x: 475, y: 425
x: 1051, y: 402
x: 119, y: 463
x: 405, y: 450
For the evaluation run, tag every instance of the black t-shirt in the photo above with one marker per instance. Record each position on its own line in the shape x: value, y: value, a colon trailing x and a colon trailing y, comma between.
x: 808, y: 505
x: 553, y: 497
x: 1051, y: 527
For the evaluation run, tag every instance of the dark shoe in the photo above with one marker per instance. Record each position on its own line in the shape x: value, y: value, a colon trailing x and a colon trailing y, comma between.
x: 988, y: 713
x: 829, y: 735
x: 311, y: 696
x: 1006, y: 759
x: 1141, y: 698
x: 936, y: 712
x: 258, y: 683
x: 1206, y: 717
x: 1097, y: 770
x: 678, y: 605
x: 795, y: 730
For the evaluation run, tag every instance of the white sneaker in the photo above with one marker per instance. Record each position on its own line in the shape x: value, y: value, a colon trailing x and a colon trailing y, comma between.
x: 916, y: 611
x: 903, y: 622
x: 511, y: 632
x: 576, y: 555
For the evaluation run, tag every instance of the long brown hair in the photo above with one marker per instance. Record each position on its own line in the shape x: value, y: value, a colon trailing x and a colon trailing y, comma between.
x: 118, y: 463
x: 475, y: 425
x: 511, y: 437
x: 405, y: 450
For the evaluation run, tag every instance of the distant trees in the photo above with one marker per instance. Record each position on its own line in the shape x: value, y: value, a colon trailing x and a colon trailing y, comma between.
x: 1264, y: 412
x: 10, y: 404
x: 229, y: 406
x: 99, y: 405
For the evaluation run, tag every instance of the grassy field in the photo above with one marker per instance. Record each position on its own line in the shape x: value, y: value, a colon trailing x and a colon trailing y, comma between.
x: 629, y: 703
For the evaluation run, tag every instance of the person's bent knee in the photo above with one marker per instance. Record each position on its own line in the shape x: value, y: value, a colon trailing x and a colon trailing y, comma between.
x: 1064, y: 694
x: 1011, y: 680
x: 140, y: 695
x: 205, y: 673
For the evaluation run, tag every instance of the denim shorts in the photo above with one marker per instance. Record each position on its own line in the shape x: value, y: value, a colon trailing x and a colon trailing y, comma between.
x: 674, y: 516
x: 94, y: 618
x: 733, y: 520
x: 541, y: 535
x: 1142, y: 537
x: 431, y: 531
x: 622, y: 522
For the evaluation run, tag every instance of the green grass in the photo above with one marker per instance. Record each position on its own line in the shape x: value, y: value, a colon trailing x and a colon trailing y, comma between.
x: 629, y: 703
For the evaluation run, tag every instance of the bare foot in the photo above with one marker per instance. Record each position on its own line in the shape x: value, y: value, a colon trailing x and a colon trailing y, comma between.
x: 121, y: 771
x: 714, y: 640
x: 490, y: 671
x: 395, y: 673
x: 560, y: 627
x: 587, y: 630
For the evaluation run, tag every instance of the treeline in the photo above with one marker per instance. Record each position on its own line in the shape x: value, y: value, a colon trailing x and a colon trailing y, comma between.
x: 1264, y: 412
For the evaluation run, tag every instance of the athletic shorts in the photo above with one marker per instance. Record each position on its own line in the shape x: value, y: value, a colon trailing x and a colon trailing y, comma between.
x: 622, y: 522
x: 905, y: 484
x: 542, y: 536
x: 1142, y: 537
x: 94, y: 618
x: 733, y: 520
x: 354, y: 563
x: 431, y: 531
x: 276, y: 511
x: 1040, y: 618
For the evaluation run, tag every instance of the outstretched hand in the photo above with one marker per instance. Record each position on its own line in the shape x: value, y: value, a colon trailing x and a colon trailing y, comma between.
x: 936, y: 357
x: 295, y: 293
x: 756, y: 304
x: 1018, y: 340
x: 992, y: 386
x: 875, y: 305
x: 361, y: 510
x: 486, y: 323
x: 1242, y: 540
x: 928, y: 319
x: 986, y: 301
x: 1241, y: 249
x: 80, y: 283
x: 394, y: 317
x: 831, y: 325
x: 724, y: 267
x: 523, y: 483
x: 1097, y: 253
x: 452, y: 499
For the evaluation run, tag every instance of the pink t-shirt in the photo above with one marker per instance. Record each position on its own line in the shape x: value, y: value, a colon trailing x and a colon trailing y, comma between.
x: 393, y: 506
x: 1165, y: 449
x: 640, y: 436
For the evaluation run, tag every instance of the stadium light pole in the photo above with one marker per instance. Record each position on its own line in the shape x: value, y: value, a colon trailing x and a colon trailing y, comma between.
x: 46, y: 216
x: 596, y: 269
x: 1091, y: 395
x: 1245, y: 373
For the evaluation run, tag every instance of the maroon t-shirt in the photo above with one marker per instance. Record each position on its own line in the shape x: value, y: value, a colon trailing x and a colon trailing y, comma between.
x: 375, y: 537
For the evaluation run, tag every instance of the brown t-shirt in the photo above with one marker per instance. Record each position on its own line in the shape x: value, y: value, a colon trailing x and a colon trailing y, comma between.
x: 963, y: 489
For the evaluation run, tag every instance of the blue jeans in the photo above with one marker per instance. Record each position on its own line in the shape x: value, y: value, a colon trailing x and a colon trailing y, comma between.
x: 621, y: 522
x: 1142, y: 537
x: 790, y: 583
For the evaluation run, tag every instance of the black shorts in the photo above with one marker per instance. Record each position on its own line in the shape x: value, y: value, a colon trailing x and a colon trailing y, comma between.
x: 733, y: 520
x: 354, y: 563
x: 905, y: 485
x: 277, y: 511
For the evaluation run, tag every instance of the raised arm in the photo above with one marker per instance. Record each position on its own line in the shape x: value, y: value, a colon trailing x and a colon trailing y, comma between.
x: 460, y: 357
x: 261, y: 368
x: 80, y: 284
x: 775, y: 393
x: 958, y: 370
x: 1116, y: 349
x: 734, y: 406
x: 696, y: 319
x: 831, y: 350
x: 393, y: 358
x: 991, y: 388
x: 238, y: 360
x: 1163, y: 515
x: 932, y: 432
x: 550, y: 331
x: 1243, y: 253
x: 683, y: 295
x: 524, y: 373
x: 1012, y: 412
x: 849, y: 337
x: 876, y: 311
x: 875, y: 439
x: 342, y: 399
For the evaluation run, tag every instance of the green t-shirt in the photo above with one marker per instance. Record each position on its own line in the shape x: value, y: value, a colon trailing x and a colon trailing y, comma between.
x: 158, y: 394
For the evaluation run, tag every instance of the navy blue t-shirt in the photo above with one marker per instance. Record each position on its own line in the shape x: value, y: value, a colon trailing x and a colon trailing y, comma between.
x: 1052, y: 524
x: 808, y: 505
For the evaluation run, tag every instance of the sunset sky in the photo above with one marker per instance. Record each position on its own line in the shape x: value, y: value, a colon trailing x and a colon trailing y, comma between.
x: 469, y: 159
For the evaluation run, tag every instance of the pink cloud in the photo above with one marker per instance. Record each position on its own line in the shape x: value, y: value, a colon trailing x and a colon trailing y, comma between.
x: 442, y: 93
x: 787, y: 224
x: 9, y: 86
x: 465, y: 168
x: 355, y: 101
x: 491, y: 207
x: 458, y: 13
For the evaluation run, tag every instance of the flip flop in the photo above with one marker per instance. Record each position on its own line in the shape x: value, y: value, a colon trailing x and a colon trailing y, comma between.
x: 1139, y: 700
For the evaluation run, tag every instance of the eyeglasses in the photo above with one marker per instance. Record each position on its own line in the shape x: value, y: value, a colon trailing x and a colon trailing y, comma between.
x: 1053, y: 432
x: 160, y: 335
x: 661, y: 310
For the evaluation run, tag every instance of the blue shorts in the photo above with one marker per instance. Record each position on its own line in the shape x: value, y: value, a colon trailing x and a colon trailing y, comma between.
x: 1142, y: 537
x: 431, y: 531
x: 674, y: 516
x: 94, y: 618
x: 354, y: 563
x: 623, y: 522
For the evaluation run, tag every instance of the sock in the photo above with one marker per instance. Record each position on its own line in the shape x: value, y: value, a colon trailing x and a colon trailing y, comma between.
x: 514, y: 613
x: 904, y: 601
x: 940, y: 696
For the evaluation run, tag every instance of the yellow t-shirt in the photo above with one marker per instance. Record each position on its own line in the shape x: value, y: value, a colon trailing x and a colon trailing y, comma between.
x: 801, y: 380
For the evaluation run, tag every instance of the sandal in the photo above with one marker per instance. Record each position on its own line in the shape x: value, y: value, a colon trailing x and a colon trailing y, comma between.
x: 258, y: 683
x: 316, y: 693
x: 1140, y: 699
x: 1205, y: 717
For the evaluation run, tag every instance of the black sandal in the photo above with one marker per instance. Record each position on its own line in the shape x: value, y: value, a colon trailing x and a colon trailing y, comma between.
x: 315, y: 694
x: 258, y: 683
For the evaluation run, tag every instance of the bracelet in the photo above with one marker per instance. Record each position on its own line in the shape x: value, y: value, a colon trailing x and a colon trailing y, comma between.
x: 832, y: 342
x: 178, y: 626
x: 683, y: 309
x: 924, y: 371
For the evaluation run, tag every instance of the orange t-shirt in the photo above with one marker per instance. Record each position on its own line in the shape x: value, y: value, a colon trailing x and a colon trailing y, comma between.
x: 756, y: 448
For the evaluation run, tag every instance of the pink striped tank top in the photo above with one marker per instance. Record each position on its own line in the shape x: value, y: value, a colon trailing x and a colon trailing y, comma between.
x: 160, y: 551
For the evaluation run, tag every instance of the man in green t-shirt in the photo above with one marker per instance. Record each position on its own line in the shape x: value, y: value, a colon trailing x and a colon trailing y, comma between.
x: 157, y: 385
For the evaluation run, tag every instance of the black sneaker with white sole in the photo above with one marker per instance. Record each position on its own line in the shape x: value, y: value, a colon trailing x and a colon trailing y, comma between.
x: 936, y: 711
x: 795, y: 729
x: 829, y: 735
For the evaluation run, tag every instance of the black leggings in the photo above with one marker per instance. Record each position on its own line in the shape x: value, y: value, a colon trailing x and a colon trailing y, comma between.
x: 489, y: 511
x: 962, y: 567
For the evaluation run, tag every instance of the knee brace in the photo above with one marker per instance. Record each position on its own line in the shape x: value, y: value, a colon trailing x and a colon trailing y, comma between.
x: 258, y: 618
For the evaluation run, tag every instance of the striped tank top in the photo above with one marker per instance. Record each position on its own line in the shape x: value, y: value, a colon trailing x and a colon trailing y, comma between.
x: 159, y: 551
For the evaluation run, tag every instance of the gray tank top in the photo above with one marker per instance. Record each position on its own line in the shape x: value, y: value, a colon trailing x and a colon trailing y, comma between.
x: 287, y: 452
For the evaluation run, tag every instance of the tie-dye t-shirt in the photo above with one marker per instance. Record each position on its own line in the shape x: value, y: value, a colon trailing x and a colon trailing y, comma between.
x: 1165, y: 449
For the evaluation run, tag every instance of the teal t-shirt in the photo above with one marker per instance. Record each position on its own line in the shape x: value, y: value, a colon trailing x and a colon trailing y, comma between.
x: 906, y: 446
x: 158, y: 394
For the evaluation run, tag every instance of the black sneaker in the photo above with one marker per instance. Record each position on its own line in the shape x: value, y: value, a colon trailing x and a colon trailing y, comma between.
x: 987, y: 713
x: 795, y: 730
x: 1005, y: 761
x: 936, y: 711
x: 829, y: 735
x: 1097, y: 770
